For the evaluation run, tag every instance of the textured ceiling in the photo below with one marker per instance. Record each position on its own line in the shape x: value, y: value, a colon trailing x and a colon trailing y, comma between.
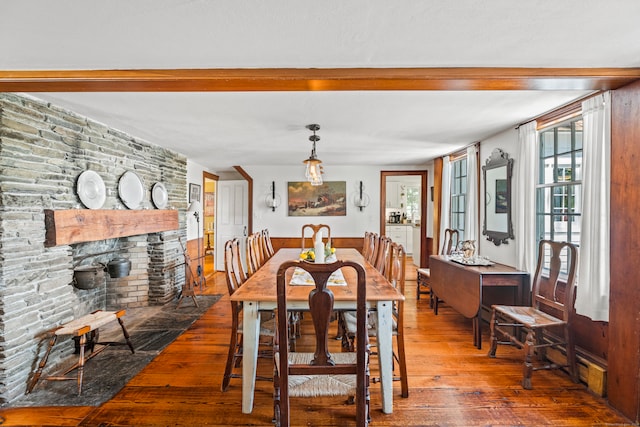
x: 222, y: 129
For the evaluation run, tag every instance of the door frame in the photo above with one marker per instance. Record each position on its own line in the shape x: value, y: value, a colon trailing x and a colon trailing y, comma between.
x: 423, y: 209
x: 208, y: 176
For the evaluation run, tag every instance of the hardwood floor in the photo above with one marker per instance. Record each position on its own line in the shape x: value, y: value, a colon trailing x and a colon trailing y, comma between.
x: 451, y: 384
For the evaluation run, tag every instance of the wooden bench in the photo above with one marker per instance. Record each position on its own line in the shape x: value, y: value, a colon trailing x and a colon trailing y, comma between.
x: 80, y: 328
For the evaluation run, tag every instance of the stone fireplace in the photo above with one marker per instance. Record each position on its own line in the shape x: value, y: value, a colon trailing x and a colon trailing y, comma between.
x: 43, y: 150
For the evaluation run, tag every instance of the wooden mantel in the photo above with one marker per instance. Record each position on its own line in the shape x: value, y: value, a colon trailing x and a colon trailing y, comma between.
x: 65, y: 227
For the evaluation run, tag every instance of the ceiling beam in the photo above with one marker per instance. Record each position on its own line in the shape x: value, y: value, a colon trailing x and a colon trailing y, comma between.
x: 316, y: 79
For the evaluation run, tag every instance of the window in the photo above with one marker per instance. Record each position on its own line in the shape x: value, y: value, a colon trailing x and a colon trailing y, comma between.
x: 413, y: 203
x: 458, y: 194
x: 559, y: 184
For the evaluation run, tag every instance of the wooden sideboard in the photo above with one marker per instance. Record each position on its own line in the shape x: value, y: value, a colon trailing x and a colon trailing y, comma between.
x: 467, y: 289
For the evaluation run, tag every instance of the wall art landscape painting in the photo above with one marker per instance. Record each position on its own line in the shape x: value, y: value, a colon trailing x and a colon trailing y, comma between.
x: 328, y: 199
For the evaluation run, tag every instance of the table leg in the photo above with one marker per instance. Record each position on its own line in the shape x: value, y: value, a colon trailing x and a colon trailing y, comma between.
x: 250, y: 342
x: 385, y: 354
x: 477, y: 330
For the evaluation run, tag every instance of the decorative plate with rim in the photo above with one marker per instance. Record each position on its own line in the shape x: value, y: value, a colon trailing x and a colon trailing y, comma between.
x: 159, y: 195
x: 91, y: 189
x: 131, y: 190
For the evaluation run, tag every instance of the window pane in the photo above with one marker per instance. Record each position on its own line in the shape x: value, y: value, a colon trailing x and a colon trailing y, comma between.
x: 546, y: 143
x: 563, y: 168
x: 558, y: 199
x: 564, y: 139
x: 454, y: 221
x: 578, y: 135
x: 458, y: 193
x: 578, y: 168
x: 548, y: 171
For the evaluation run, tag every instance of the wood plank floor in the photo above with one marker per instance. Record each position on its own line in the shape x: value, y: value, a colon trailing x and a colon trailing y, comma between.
x: 451, y: 384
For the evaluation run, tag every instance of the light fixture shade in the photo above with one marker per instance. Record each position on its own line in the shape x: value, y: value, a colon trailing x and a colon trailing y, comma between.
x: 194, y: 207
x: 313, y: 173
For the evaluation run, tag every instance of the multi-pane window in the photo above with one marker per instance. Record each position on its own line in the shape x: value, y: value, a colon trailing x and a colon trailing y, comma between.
x: 559, y: 185
x: 413, y: 202
x: 458, y: 195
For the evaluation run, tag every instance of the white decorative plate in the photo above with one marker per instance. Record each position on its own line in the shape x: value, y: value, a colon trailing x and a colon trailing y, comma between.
x: 91, y: 190
x: 159, y: 195
x: 131, y: 190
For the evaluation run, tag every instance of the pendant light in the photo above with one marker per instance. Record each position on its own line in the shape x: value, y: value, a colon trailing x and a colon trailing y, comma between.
x: 313, y: 171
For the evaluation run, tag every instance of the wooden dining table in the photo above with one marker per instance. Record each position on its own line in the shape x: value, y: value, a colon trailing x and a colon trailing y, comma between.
x: 258, y: 293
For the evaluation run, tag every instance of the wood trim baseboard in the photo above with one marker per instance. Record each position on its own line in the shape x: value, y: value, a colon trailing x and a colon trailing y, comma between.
x: 336, y: 242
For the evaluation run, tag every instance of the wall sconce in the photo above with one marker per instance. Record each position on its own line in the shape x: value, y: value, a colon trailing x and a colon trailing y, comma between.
x: 362, y: 199
x: 273, y: 199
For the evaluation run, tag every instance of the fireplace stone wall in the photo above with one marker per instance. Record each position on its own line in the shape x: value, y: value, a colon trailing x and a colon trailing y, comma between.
x: 43, y: 150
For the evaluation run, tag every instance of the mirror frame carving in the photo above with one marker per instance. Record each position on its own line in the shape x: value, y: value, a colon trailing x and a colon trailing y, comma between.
x: 498, y: 159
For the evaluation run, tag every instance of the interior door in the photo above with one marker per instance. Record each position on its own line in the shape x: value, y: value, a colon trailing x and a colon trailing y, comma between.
x: 232, y: 217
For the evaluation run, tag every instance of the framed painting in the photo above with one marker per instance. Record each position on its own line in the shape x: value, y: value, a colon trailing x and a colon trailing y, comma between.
x: 328, y: 199
x: 194, y: 193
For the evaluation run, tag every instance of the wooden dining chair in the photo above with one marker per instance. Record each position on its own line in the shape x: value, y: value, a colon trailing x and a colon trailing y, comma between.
x: 314, y: 229
x: 396, y: 276
x: 383, y: 254
x: 365, y: 244
x: 321, y: 373
x: 449, y: 244
x: 547, y: 322
x: 370, y: 246
x: 235, y: 277
x: 375, y: 245
x: 268, y: 245
x: 254, y: 258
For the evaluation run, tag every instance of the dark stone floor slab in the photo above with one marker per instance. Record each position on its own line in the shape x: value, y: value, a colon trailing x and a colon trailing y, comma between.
x: 109, y: 371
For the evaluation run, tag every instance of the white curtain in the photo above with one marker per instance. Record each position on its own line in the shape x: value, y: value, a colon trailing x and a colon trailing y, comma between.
x: 471, y: 204
x: 524, y: 199
x: 592, y: 299
x: 445, y: 207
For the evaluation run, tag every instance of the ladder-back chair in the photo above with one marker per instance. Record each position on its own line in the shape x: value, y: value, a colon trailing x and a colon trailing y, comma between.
x: 547, y: 322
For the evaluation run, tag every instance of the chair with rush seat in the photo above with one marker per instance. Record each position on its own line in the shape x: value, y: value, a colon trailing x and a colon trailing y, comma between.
x: 321, y: 373
x: 396, y: 276
x: 235, y: 277
x: 547, y: 322
x: 449, y: 244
